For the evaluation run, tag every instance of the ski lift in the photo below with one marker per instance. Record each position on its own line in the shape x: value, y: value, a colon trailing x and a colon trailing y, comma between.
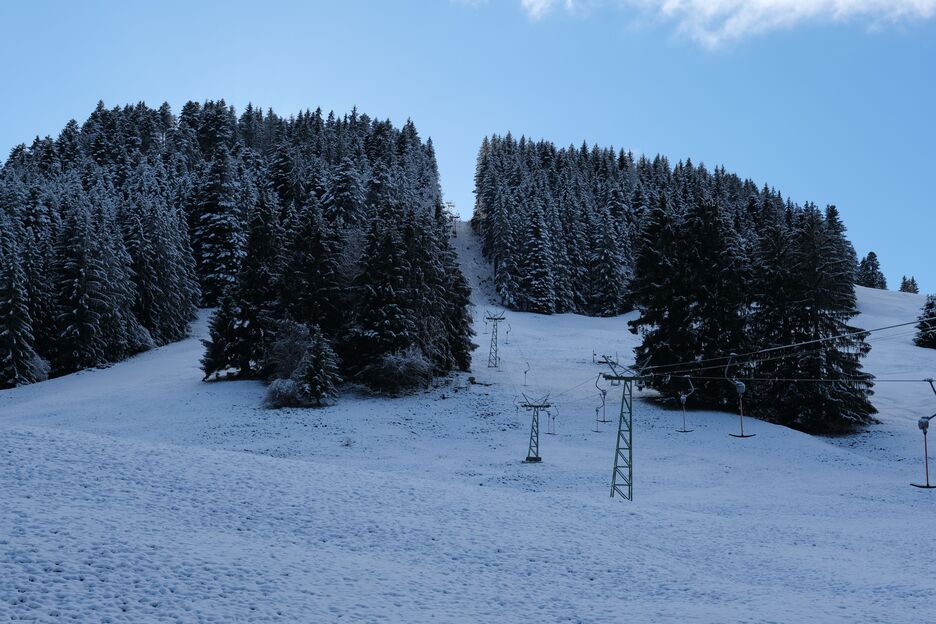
x: 683, y: 397
x: 606, y: 359
x: 740, y: 389
x: 603, y: 393
x: 551, y: 414
x: 923, y: 424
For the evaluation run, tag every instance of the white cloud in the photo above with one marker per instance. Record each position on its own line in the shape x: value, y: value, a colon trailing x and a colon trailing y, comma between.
x: 539, y: 8
x: 713, y: 22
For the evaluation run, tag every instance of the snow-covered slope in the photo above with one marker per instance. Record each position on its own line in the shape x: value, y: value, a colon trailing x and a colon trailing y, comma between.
x: 139, y: 493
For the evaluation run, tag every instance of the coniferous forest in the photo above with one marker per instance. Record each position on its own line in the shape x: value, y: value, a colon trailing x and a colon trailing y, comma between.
x: 714, y: 264
x: 322, y: 241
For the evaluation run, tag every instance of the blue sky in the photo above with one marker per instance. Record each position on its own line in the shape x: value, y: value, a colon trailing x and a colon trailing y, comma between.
x: 831, y: 101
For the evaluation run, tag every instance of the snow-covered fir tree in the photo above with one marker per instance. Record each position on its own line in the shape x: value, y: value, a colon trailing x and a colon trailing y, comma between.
x: 384, y: 319
x: 536, y: 282
x: 718, y: 294
x: 20, y: 364
x: 217, y: 236
x: 221, y: 355
x: 819, y: 312
x: 926, y: 327
x: 80, y: 291
x: 343, y: 202
x: 909, y: 285
x: 869, y: 273
x: 660, y: 289
x: 317, y: 375
x: 255, y: 290
x: 312, y: 287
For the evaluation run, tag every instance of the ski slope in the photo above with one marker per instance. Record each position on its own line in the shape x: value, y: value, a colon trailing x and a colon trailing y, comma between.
x: 139, y: 493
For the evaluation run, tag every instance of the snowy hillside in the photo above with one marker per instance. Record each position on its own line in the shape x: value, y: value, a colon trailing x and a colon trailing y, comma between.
x: 140, y: 494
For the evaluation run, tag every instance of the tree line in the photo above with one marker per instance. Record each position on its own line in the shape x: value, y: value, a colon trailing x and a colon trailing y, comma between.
x: 713, y: 263
x: 319, y: 235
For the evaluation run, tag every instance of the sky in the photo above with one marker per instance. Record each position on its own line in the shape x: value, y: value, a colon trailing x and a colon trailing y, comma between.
x: 830, y: 101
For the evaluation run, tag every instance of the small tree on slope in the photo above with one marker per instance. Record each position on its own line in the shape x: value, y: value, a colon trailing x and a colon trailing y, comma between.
x: 220, y: 352
x: 317, y: 374
x: 926, y: 328
x: 869, y: 272
x: 909, y: 285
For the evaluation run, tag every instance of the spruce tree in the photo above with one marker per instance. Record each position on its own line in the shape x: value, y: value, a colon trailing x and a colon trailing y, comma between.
x: 841, y: 402
x: 121, y: 333
x: 286, y: 176
x: 317, y: 374
x: 141, y: 237
x: 777, y: 319
x: 718, y: 278
x: 255, y: 290
x: 869, y: 273
x: 343, y: 202
x: 384, y: 320
x: 456, y: 313
x: 610, y: 274
x: 221, y: 347
x: 926, y: 327
x: 660, y: 290
x: 81, y: 300
x: 536, y: 268
x: 500, y: 243
x: 909, y: 285
x: 846, y: 250
x: 312, y: 288
x: 19, y: 362
x: 217, y: 236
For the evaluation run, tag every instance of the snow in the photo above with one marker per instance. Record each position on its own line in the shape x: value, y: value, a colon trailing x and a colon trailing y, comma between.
x: 138, y: 493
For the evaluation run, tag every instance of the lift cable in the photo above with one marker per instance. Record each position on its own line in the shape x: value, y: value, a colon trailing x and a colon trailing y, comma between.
x: 860, y: 332
x: 807, y: 380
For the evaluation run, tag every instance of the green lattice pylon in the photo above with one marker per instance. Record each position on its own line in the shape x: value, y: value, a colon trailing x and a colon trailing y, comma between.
x: 493, y: 357
x: 622, y: 477
x: 533, y: 456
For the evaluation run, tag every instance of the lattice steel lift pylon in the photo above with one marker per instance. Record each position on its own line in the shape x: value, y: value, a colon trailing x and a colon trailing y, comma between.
x: 493, y: 357
x: 622, y: 477
x: 533, y: 456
